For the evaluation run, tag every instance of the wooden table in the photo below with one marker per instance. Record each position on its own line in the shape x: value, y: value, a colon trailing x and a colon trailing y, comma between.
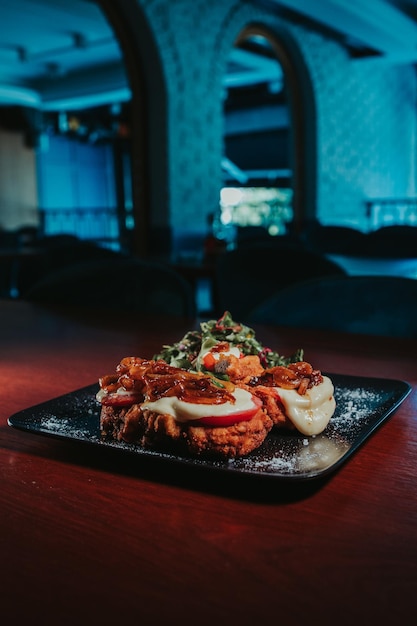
x: 89, y: 536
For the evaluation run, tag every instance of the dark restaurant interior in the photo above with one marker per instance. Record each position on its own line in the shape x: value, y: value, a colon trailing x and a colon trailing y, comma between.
x: 208, y: 312
x: 128, y: 128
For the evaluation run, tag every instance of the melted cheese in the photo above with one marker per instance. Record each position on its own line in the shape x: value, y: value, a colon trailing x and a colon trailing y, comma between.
x: 311, y: 412
x: 186, y: 411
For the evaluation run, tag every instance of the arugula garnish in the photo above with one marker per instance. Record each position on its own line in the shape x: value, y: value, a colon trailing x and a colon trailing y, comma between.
x: 186, y: 352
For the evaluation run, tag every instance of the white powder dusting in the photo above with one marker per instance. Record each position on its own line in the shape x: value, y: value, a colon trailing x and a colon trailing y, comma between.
x: 295, y: 455
x: 64, y: 427
x: 277, y: 464
x: 282, y: 454
x: 353, y: 406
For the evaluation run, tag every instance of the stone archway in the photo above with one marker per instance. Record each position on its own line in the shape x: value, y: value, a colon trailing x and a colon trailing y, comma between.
x: 302, y: 109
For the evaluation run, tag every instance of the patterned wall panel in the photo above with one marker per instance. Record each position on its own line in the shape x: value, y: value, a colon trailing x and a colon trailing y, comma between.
x: 366, y: 114
x: 366, y: 129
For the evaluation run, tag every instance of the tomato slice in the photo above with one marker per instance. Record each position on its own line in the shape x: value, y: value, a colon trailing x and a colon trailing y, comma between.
x: 231, y: 418
x: 121, y: 399
x: 209, y: 361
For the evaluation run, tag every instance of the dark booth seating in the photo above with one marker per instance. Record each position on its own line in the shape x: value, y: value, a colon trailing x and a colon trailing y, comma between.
x: 118, y: 285
x: 335, y: 239
x: 246, y: 276
x: 391, y: 242
x: 375, y: 305
x: 55, y: 252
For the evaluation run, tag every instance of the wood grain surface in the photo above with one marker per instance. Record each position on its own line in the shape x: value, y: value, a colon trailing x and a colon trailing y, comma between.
x: 92, y: 536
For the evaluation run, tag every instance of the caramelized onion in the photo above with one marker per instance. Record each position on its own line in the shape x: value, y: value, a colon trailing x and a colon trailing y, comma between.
x: 157, y: 379
x: 300, y: 376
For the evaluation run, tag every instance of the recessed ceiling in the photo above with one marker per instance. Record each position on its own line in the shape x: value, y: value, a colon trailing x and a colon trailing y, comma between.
x: 62, y: 54
x: 52, y: 50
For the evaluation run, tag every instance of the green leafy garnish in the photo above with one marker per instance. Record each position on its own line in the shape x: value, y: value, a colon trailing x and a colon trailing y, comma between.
x: 187, y: 352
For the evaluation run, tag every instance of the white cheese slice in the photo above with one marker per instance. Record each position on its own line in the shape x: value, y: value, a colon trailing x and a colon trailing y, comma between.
x: 309, y: 413
x: 186, y: 411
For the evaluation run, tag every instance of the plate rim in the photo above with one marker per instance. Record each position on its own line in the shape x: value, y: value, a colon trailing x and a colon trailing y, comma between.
x: 20, y: 420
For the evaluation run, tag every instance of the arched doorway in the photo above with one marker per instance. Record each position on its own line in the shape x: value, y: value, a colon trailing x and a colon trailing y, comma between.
x: 273, y: 143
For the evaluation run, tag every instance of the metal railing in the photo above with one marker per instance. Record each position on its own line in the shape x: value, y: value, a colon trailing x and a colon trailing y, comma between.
x: 389, y: 211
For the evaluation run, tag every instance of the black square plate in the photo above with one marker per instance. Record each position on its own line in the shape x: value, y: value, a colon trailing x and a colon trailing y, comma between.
x: 362, y: 404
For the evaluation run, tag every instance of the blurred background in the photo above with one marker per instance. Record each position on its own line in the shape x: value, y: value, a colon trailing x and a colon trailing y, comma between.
x: 181, y: 131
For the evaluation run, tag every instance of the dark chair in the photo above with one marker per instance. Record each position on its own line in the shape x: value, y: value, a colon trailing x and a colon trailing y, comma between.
x: 6, y: 276
x: 336, y: 239
x: 28, y: 236
x: 118, y: 285
x: 398, y: 241
x: 9, y: 239
x: 375, y: 305
x: 9, y: 247
x: 246, y: 276
x: 55, y: 252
